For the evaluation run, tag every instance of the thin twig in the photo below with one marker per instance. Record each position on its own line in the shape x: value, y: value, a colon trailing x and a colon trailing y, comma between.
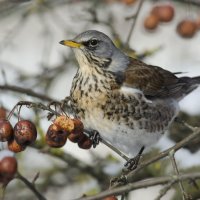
x: 182, y: 143
x: 142, y: 184
x: 164, y: 190
x: 25, y: 91
x: 175, y: 167
x: 30, y: 186
x: 134, y: 22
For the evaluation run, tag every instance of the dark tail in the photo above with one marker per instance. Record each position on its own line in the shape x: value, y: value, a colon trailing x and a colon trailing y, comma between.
x: 196, y: 80
x: 189, y: 84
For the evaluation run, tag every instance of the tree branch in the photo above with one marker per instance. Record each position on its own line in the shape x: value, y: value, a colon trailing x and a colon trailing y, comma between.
x: 142, y: 184
x: 30, y: 186
x: 29, y: 92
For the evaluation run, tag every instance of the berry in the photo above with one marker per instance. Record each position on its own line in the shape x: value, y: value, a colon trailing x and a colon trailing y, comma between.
x: 15, y: 147
x: 56, y: 136
x: 6, y: 130
x: 75, y: 136
x: 165, y: 13
x: 187, y: 28
x: 25, y: 132
x: 85, y: 142
x: 65, y: 123
x: 2, y: 113
x: 8, y: 168
x: 78, y: 126
x: 151, y: 22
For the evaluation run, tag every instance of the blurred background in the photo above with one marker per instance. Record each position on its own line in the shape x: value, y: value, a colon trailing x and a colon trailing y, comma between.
x: 32, y: 58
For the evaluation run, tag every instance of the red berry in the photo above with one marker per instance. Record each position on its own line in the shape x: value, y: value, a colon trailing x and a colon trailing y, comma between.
x: 165, y: 13
x: 8, y: 168
x: 78, y: 126
x: 151, y: 22
x: 2, y: 113
x: 75, y: 137
x: 25, y: 132
x: 15, y: 147
x: 56, y: 136
x: 6, y: 130
x: 187, y: 28
x: 85, y: 142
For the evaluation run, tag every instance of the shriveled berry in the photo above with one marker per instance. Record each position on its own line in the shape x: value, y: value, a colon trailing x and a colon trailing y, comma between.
x: 8, y: 168
x: 65, y: 123
x: 151, y: 22
x: 15, y: 147
x: 110, y: 198
x: 75, y: 136
x: 85, y: 142
x: 2, y: 113
x: 6, y: 130
x: 56, y: 136
x: 187, y: 28
x: 25, y: 132
x: 165, y: 13
x: 78, y: 126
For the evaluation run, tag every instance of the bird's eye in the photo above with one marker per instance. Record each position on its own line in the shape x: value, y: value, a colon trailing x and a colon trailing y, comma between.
x: 93, y: 42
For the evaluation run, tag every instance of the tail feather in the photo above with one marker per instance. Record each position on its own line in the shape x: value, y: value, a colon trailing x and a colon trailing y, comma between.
x: 189, y: 84
x: 195, y: 80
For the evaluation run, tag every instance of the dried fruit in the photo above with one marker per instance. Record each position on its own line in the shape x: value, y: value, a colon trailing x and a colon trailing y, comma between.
x: 8, y: 168
x: 6, y: 130
x: 65, y: 123
x: 187, y: 28
x: 25, y: 132
x: 151, y: 22
x: 110, y: 198
x: 15, y: 147
x: 75, y: 137
x: 56, y: 136
x: 165, y: 13
x: 85, y: 142
x: 78, y: 126
x: 2, y: 113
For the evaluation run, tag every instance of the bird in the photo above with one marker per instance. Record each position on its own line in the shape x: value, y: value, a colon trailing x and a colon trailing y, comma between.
x: 129, y: 103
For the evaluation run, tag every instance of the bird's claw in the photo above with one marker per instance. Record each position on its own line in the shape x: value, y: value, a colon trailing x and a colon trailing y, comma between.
x: 122, y: 180
x: 95, y: 137
x: 132, y: 163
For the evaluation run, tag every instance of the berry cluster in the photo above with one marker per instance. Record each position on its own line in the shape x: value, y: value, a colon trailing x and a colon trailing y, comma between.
x: 23, y: 134
x: 160, y: 13
x: 64, y: 128
x: 165, y: 13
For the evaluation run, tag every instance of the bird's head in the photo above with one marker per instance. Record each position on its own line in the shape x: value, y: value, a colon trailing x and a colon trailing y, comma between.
x: 95, y: 49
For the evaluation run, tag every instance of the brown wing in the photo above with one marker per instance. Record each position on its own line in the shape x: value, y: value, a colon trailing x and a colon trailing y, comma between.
x: 153, y: 81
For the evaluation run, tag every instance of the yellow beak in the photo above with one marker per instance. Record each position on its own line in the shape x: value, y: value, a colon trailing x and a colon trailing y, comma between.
x: 70, y: 43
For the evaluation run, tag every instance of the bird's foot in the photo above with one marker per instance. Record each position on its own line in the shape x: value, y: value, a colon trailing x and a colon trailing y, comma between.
x: 132, y: 163
x: 95, y: 137
x: 122, y: 180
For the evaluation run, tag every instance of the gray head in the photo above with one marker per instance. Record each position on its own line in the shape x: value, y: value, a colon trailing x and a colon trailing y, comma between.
x: 94, y: 48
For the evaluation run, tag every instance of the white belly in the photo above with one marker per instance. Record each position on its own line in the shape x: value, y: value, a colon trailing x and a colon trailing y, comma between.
x: 122, y: 137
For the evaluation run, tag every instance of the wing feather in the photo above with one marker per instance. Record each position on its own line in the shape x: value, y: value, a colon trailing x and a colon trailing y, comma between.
x: 153, y: 81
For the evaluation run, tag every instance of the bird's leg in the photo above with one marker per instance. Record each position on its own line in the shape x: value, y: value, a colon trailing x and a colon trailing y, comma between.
x: 132, y: 163
x: 95, y: 137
